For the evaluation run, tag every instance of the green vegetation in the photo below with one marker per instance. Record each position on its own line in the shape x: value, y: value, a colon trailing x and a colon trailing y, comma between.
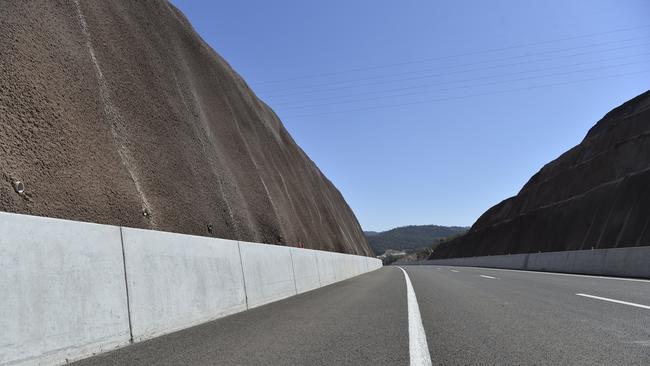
x: 410, y: 238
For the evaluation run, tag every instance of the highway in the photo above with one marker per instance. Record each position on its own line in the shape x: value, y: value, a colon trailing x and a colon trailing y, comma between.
x: 451, y: 316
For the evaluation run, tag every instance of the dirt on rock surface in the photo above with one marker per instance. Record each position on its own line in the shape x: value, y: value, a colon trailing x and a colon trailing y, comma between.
x: 596, y: 195
x: 117, y: 112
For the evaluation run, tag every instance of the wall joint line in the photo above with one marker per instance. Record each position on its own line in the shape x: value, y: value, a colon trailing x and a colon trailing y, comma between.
x: 243, y: 277
x: 126, y: 286
x: 293, y: 271
x: 320, y: 283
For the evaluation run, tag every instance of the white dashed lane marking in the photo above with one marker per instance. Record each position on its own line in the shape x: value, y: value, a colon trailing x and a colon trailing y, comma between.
x: 490, y: 277
x: 616, y: 301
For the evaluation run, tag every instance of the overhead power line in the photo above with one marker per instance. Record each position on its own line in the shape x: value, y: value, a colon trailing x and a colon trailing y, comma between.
x: 574, y: 48
x: 454, y: 72
x: 645, y: 62
x: 429, y: 101
x: 456, y: 81
x: 620, y: 30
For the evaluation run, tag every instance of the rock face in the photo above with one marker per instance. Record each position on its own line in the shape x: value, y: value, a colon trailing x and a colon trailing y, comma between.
x: 117, y: 112
x: 596, y: 195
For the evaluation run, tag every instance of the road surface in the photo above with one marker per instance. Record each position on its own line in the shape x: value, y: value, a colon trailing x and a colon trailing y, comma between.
x: 452, y: 316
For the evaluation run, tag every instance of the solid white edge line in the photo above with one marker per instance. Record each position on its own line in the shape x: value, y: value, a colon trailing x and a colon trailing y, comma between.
x: 615, y: 301
x: 484, y: 276
x: 559, y: 274
x: 418, y: 348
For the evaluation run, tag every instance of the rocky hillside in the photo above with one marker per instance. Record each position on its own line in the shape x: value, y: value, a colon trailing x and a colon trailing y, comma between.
x: 118, y: 112
x: 596, y: 195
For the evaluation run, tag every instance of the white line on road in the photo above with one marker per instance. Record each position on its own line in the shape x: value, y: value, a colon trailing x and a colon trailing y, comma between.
x: 564, y: 274
x: 455, y: 271
x: 484, y: 276
x: 616, y: 301
x: 418, y: 348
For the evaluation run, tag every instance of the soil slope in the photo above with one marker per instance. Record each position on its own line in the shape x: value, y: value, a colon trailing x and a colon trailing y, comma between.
x: 117, y: 112
x: 596, y: 195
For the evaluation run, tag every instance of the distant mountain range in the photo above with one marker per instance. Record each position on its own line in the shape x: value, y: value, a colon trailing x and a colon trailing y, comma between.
x: 410, y: 237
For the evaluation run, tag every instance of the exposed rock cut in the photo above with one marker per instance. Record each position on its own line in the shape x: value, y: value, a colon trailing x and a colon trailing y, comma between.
x: 117, y: 112
x: 596, y: 195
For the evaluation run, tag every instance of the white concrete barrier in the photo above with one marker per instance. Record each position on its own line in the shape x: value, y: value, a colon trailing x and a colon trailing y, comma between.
x: 376, y: 264
x: 268, y: 272
x: 554, y: 261
x: 70, y: 289
x: 339, y: 267
x: 305, y: 269
x: 628, y: 263
x: 352, y: 268
x: 176, y: 281
x: 327, y: 268
x: 62, y: 290
x: 623, y: 262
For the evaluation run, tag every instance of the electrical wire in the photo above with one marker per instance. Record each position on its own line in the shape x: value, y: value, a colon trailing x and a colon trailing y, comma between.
x: 620, y: 30
x: 429, y: 101
x: 456, y: 81
x: 455, y: 72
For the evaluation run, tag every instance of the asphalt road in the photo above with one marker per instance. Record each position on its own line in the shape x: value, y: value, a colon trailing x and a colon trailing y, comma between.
x: 467, y: 316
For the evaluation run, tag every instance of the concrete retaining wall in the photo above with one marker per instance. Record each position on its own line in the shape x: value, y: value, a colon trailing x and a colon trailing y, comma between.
x: 305, y: 269
x: 71, y: 289
x: 373, y: 264
x: 327, y: 268
x: 176, y: 281
x: 621, y: 262
x: 62, y: 292
x: 268, y: 271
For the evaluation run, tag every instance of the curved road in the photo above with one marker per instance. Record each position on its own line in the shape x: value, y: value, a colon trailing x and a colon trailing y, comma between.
x: 454, y: 315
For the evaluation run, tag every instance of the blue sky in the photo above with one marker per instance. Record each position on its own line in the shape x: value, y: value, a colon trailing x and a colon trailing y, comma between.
x: 430, y: 112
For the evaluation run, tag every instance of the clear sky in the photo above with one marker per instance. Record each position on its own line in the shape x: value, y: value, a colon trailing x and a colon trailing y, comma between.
x: 430, y: 112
